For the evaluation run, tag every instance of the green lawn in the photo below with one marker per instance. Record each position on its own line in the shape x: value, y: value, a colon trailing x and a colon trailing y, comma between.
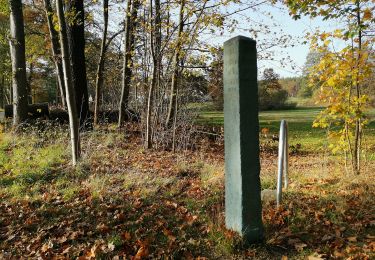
x: 299, y: 120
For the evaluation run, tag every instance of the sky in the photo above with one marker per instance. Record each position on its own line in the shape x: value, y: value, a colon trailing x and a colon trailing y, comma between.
x: 269, y: 15
x: 279, y: 22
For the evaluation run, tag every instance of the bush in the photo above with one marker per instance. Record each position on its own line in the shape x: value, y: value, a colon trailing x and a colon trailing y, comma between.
x: 272, y: 98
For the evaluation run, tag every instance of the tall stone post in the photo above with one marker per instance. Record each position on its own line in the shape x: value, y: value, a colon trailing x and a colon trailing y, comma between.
x: 243, y: 209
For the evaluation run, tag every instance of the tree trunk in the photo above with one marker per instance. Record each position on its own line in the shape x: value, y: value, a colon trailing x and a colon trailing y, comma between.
x: 17, y: 51
x: 100, y: 69
x: 176, y: 61
x: 2, y: 92
x: 156, y: 56
x: 10, y: 101
x: 70, y: 95
x: 125, y: 79
x: 358, y: 130
x: 174, y: 125
x: 56, y: 51
x: 131, y: 17
x: 76, y: 37
x: 29, y: 80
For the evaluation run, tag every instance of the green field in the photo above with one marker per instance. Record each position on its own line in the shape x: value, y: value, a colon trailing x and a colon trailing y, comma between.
x: 299, y: 120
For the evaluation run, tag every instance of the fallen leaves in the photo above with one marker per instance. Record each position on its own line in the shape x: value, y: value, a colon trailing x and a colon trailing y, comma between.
x: 352, y: 239
x: 143, y: 250
x: 126, y: 236
x: 103, y: 228
x: 297, y: 244
x: 47, y: 246
x: 149, y: 208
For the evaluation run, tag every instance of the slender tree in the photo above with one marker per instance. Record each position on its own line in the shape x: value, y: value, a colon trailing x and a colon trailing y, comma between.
x: 17, y: 50
x: 176, y: 69
x: 125, y: 78
x: 100, y: 69
x: 155, y: 41
x: 70, y: 95
x: 56, y: 50
x: 130, y: 28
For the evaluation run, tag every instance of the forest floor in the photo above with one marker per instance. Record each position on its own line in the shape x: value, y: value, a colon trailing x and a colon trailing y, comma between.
x: 122, y: 201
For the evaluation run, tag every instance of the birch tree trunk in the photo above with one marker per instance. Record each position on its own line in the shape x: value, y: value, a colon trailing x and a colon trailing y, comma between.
x: 56, y: 51
x: 100, y: 69
x: 70, y: 95
x: 17, y: 51
x: 156, y: 57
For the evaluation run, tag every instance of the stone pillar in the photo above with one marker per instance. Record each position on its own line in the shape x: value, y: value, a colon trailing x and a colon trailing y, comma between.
x: 243, y: 209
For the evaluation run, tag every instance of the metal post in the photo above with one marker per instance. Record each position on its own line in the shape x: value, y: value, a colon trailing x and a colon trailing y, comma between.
x: 286, y: 155
x: 282, y: 160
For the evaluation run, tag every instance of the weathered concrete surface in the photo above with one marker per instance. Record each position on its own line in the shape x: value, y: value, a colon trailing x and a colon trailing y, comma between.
x: 243, y: 209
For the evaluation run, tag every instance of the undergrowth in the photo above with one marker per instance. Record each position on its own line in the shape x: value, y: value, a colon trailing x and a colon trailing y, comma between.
x: 124, y: 201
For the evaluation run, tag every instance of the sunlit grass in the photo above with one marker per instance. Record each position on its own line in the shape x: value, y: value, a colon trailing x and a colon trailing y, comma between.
x: 300, y: 121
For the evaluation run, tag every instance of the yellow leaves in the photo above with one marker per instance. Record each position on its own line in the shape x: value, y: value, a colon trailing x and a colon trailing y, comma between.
x: 331, y: 82
x: 327, y: 42
x: 320, y: 123
x: 337, y: 33
x: 324, y: 36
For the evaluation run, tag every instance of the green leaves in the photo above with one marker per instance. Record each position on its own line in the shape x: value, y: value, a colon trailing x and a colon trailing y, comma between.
x: 4, y: 7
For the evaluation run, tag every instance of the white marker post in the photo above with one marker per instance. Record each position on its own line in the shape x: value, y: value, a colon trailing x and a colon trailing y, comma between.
x: 283, y: 160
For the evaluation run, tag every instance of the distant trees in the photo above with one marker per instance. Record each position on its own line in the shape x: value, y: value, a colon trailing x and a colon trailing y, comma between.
x: 271, y: 94
x: 292, y: 85
x: 312, y: 59
x: 215, y: 79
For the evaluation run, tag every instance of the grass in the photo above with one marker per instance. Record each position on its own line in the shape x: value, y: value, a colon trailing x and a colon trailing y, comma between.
x: 299, y: 120
x: 122, y: 199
